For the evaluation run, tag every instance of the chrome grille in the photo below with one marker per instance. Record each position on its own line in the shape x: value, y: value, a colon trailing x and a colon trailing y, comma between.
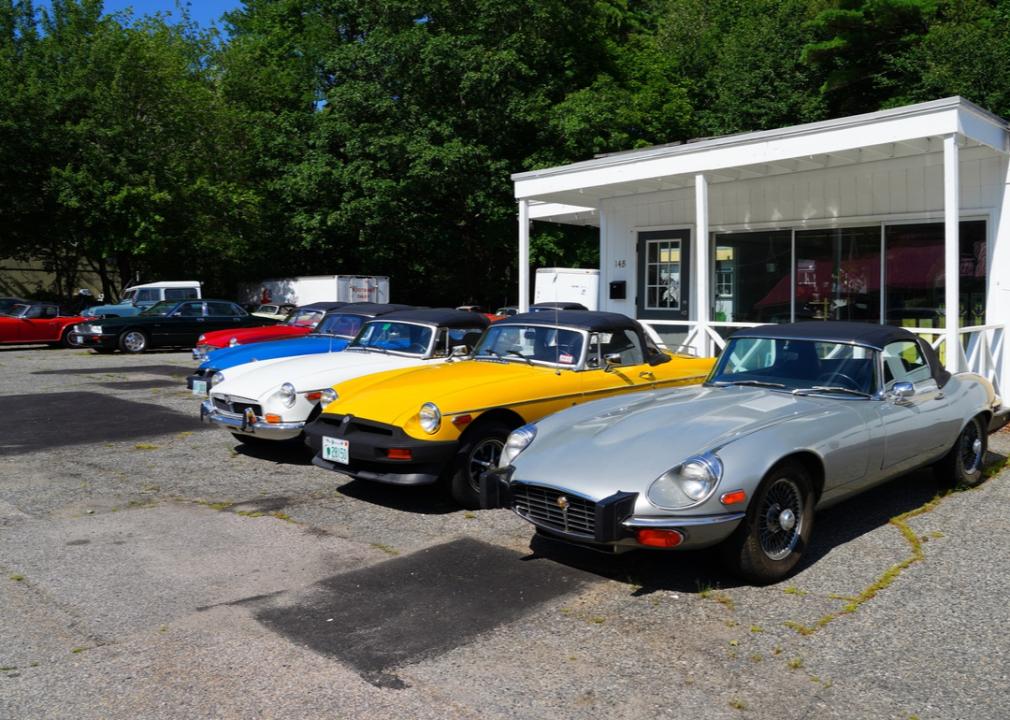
x: 237, y: 408
x: 539, y: 505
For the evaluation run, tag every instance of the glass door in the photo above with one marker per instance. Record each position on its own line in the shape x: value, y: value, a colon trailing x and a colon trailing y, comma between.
x: 663, y: 274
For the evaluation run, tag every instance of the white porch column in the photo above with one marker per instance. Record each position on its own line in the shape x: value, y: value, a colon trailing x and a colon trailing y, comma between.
x: 952, y: 255
x: 701, y: 263
x: 524, y: 256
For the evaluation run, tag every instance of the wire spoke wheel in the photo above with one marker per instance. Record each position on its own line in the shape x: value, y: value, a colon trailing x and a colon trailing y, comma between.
x: 780, y: 519
x: 483, y: 457
x: 971, y: 448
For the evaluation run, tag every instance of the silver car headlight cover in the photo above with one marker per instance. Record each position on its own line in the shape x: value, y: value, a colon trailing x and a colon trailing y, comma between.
x: 690, y: 483
x: 287, y: 394
x: 216, y: 379
x: 430, y: 418
x: 518, y: 440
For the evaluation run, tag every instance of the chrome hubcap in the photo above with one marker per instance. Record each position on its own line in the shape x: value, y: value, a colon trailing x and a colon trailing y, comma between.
x: 483, y: 457
x: 134, y: 341
x: 781, y: 519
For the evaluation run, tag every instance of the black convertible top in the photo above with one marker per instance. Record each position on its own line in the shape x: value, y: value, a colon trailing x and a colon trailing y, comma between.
x: 858, y: 333
x: 324, y: 306
x: 557, y: 306
x: 443, y: 317
x: 591, y: 320
x: 373, y: 309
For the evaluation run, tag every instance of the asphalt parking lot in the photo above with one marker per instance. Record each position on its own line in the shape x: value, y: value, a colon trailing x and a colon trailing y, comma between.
x: 153, y: 567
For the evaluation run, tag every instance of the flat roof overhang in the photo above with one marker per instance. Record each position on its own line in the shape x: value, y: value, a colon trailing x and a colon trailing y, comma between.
x: 572, y: 193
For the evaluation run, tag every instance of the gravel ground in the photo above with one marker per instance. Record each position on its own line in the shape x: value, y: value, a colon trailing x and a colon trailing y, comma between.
x: 153, y: 567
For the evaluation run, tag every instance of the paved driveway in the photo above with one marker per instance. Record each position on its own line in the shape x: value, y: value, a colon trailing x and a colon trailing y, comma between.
x: 152, y: 567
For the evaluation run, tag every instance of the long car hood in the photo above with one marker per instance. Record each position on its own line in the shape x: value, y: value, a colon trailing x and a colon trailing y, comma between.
x: 254, y: 334
x: 624, y: 443
x: 311, y: 372
x: 272, y: 350
x: 455, y: 387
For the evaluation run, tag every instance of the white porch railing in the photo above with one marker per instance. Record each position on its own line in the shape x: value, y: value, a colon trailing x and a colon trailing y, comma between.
x: 981, y: 349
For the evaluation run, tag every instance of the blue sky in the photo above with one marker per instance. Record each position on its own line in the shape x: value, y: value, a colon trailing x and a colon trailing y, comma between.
x: 205, y: 12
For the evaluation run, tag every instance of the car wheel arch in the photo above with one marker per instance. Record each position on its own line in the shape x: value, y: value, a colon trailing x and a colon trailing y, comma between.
x: 814, y: 465
x: 502, y: 415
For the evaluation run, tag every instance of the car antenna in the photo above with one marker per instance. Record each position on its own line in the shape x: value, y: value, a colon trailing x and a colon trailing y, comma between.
x: 557, y: 341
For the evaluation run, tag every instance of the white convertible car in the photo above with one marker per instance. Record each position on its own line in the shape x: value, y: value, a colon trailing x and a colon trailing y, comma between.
x: 272, y: 401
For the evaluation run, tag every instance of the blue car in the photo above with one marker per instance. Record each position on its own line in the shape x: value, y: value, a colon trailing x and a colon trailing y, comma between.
x: 332, y: 334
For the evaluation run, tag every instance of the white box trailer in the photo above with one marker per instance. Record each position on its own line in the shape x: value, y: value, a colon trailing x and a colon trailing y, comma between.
x: 568, y: 285
x: 318, y: 288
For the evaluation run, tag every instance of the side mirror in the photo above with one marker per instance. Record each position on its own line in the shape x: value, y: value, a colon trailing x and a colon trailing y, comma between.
x: 659, y: 358
x: 459, y: 351
x: 901, y: 391
x: 611, y: 360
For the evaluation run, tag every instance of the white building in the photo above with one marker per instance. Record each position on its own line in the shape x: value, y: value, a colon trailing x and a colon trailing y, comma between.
x: 893, y: 216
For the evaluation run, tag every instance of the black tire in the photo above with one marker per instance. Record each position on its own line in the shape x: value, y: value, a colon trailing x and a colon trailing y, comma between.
x: 762, y: 550
x: 480, y: 450
x: 964, y: 463
x: 133, y: 342
x: 65, y: 337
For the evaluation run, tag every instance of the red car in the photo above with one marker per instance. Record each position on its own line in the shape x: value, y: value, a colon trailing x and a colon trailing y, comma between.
x: 301, y: 322
x: 25, y: 322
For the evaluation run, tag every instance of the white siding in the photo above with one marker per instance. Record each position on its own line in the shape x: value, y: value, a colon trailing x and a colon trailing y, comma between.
x: 901, y: 189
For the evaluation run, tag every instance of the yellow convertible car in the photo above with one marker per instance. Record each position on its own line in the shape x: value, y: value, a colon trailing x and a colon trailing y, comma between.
x: 450, y: 422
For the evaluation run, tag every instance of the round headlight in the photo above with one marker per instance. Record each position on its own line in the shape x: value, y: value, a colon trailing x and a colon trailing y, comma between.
x: 430, y: 418
x: 233, y: 342
x: 216, y: 379
x: 688, y: 484
x: 287, y: 394
x: 327, y: 396
x: 518, y: 440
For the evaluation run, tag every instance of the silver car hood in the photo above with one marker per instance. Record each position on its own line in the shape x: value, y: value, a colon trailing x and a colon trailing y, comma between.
x: 626, y: 442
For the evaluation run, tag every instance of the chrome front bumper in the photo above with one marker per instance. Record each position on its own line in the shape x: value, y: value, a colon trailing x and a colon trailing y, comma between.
x: 249, y: 424
x: 199, y: 354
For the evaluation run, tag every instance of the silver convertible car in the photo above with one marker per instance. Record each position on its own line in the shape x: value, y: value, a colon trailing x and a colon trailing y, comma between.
x: 793, y: 418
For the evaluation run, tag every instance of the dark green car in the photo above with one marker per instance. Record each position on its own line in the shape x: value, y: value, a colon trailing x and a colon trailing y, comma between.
x: 169, y: 323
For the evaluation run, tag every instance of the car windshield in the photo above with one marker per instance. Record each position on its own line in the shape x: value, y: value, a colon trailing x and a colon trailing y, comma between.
x: 532, y: 343
x: 129, y: 296
x: 393, y: 337
x: 341, y: 324
x: 796, y: 365
x: 160, y: 308
x: 304, y: 318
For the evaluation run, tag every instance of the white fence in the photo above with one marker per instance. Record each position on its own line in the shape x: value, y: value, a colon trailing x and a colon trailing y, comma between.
x: 981, y: 347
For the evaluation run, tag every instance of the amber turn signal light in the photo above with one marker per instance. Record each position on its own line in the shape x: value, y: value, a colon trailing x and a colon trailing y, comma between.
x: 732, y: 498
x: 659, y: 538
x: 271, y: 418
x: 461, y: 421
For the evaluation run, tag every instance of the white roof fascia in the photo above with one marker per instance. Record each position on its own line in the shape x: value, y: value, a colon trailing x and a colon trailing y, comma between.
x: 932, y: 119
x: 549, y: 209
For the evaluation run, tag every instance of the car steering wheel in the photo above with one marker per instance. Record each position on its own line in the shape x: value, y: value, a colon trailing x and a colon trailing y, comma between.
x: 835, y: 377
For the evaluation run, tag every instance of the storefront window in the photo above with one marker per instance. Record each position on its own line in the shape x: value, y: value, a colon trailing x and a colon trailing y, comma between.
x: 752, y: 277
x: 838, y: 274
x: 662, y: 273
x: 915, y: 280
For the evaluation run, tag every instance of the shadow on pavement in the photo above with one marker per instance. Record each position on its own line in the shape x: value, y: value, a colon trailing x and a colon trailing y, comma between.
x: 422, y: 499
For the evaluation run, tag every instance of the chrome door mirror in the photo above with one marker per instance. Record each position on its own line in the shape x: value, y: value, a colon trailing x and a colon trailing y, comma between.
x: 901, y: 391
x: 459, y: 351
x: 611, y: 360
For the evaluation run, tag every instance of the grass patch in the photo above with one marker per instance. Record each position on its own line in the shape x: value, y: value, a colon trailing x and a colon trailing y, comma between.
x: 793, y: 590
x: 281, y: 516
x: 78, y: 650
x: 725, y: 600
x: 145, y: 446
x: 17, y: 578
x: 737, y: 704
x: 795, y: 663
x: 597, y: 619
x: 388, y: 549
x: 219, y: 506
x: 469, y: 515
x: 756, y: 629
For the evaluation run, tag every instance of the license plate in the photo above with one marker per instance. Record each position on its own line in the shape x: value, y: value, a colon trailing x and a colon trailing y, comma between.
x: 199, y: 387
x: 336, y: 450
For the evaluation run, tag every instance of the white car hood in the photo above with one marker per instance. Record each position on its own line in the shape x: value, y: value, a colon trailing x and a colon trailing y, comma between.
x: 310, y: 372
